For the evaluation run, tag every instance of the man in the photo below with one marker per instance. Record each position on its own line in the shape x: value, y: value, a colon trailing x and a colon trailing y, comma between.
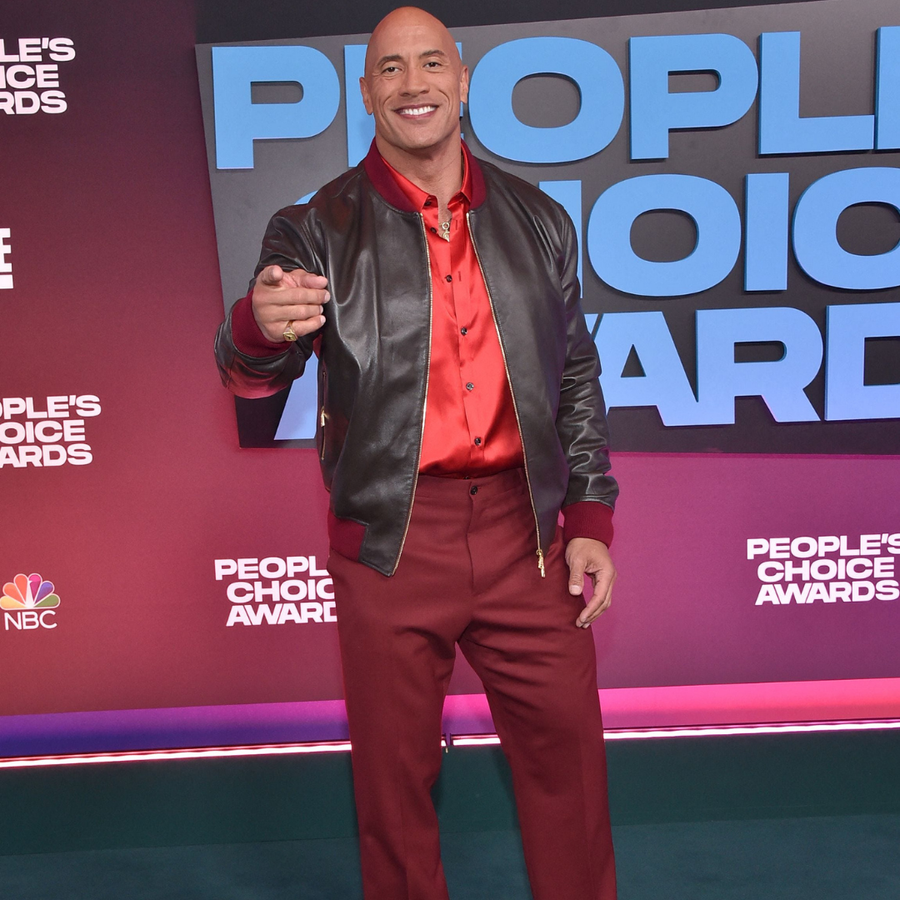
x: 460, y: 411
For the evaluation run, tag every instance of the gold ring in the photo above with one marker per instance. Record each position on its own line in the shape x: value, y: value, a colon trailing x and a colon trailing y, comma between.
x: 289, y: 334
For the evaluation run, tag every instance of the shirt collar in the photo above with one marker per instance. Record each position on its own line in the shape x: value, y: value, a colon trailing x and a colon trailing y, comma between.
x: 419, y: 198
x: 386, y: 185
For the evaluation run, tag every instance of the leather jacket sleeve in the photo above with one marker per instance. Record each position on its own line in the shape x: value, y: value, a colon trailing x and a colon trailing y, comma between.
x: 260, y: 376
x: 581, y: 418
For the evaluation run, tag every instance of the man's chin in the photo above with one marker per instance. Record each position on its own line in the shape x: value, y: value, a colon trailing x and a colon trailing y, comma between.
x: 422, y: 145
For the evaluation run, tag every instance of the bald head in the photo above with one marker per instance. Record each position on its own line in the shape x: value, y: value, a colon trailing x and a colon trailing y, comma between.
x: 398, y: 25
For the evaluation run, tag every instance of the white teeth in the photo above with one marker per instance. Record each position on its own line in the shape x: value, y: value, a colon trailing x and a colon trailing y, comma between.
x: 417, y: 111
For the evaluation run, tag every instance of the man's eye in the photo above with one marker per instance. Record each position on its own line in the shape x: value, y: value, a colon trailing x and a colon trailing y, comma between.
x: 388, y: 70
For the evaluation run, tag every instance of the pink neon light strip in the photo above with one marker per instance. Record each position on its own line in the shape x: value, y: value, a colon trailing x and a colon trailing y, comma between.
x: 708, y: 705
x: 163, y: 755
x: 629, y: 714
x: 463, y: 740
x: 741, y: 704
x: 480, y: 740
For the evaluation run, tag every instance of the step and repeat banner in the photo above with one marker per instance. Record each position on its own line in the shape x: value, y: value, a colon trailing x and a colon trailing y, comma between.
x: 734, y: 179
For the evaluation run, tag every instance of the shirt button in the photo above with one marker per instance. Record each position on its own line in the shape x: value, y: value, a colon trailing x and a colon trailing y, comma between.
x: 473, y: 490
x: 449, y: 278
x: 477, y: 442
x: 470, y: 386
x: 433, y: 230
x: 428, y: 202
x: 463, y: 331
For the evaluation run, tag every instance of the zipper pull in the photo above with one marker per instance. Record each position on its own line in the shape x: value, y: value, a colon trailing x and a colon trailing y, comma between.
x: 322, y: 417
x: 540, y: 556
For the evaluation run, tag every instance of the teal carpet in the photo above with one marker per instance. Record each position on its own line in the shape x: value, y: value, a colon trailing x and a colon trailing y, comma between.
x: 827, y: 858
x: 778, y: 817
x: 822, y: 858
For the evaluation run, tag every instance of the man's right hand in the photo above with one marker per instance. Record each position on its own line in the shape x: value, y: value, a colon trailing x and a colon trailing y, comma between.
x: 281, y: 297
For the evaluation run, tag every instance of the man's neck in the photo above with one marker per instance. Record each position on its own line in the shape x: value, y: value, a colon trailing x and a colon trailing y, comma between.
x: 439, y: 172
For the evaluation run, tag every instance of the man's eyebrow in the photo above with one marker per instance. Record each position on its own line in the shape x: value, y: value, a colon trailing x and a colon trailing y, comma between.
x: 393, y: 57
x: 398, y: 57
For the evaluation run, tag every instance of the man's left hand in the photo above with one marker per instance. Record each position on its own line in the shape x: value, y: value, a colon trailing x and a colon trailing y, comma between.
x: 587, y: 557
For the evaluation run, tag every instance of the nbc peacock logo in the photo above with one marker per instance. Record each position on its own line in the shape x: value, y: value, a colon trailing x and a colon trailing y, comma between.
x: 29, y: 602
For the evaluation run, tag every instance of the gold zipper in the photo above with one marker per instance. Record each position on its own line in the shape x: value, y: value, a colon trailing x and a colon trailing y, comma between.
x: 425, y: 401
x: 537, y: 525
x: 322, y: 416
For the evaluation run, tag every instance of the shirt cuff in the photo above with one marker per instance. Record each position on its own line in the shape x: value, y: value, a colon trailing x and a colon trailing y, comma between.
x: 588, y: 519
x: 246, y: 334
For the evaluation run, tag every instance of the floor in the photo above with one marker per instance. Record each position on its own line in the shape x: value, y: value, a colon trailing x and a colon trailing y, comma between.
x: 854, y: 857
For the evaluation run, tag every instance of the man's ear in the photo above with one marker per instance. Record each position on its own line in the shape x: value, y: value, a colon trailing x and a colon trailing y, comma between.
x: 464, y: 84
x: 367, y: 100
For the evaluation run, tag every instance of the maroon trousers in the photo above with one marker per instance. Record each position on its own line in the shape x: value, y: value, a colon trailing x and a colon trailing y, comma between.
x: 468, y: 575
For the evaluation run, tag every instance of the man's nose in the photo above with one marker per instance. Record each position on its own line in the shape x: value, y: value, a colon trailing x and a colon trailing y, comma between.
x: 414, y: 82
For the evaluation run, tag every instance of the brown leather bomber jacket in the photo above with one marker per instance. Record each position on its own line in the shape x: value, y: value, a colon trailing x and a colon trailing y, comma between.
x: 362, y: 234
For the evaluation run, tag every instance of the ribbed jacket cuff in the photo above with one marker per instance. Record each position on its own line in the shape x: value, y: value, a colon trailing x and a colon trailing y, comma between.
x: 246, y: 334
x: 589, y: 519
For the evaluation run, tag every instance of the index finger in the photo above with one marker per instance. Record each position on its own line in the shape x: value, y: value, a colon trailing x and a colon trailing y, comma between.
x: 599, y: 603
x: 271, y: 275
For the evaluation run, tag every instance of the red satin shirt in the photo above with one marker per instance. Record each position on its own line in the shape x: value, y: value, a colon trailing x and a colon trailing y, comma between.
x: 470, y: 421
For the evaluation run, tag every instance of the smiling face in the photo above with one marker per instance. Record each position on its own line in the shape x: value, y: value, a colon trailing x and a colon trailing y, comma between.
x: 413, y: 85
